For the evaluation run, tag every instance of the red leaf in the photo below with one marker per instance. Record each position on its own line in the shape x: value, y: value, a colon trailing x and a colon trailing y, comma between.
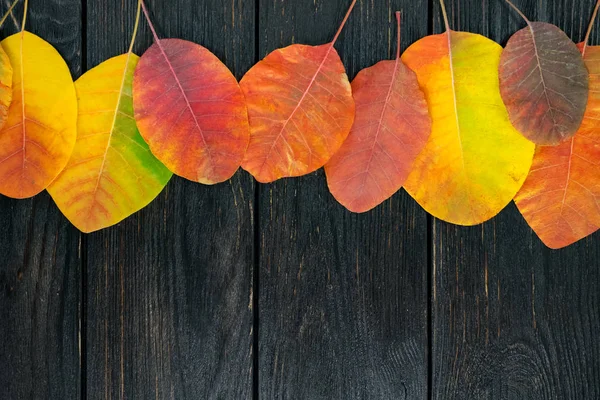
x: 190, y: 110
x: 560, y: 199
x: 543, y: 82
x: 391, y: 128
x: 300, y: 110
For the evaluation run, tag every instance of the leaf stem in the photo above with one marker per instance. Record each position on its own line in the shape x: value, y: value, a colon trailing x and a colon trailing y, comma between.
x: 445, y: 14
x: 337, y: 34
x: 135, y: 27
x: 398, y: 16
x: 589, y: 30
x: 518, y: 12
x: 24, y: 15
x: 147, y: 15
x: 8, y: 12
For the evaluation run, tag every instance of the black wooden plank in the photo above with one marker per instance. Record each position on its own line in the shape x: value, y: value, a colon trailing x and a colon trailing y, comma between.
x: 511, y: 318
x: 169, y: 296
x: 343, y: 297
x: 40, y: 268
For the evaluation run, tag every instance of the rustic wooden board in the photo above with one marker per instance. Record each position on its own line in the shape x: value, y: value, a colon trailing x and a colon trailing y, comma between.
x: 512, y: 319
x: 170, y: 303
x: 39, y: 252
x: 169, y: 290
x: 342, y: 297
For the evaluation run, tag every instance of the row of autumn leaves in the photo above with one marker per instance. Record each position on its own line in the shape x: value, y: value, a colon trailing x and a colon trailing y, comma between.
x: 462, y: 124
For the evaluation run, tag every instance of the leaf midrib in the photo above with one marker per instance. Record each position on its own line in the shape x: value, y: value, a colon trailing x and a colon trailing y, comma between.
x: 110, y: 136
x: 187, y: 102
x: 462, y: 153
x: 379, y: 124
x: 539, y: 65
x: 310, y: 84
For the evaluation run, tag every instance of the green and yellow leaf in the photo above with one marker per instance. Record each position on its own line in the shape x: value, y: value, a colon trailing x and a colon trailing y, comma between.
x: 112, y: 173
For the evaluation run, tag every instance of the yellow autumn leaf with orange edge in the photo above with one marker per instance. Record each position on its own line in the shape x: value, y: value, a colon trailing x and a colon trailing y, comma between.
x: 112, y: 172
x: 37, y: 140
x: 475, y: 161
x: 6, y: 77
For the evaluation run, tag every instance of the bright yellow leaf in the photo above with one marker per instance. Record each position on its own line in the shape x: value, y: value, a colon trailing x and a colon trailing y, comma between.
x: 6, y: 77
x: 112, y: 172
x: 37, y: 140
x: 475, y: 161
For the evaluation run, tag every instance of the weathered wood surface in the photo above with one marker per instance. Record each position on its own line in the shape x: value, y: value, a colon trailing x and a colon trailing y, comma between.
x: 169, y: 290
x: 512, y: 319
x: 342, y: 297
x: 40, y: 255
x: 241, y: 291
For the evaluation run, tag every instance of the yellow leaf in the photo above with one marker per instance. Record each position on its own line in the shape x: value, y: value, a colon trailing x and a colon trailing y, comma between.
x: 112, y: 172
x: 475, y: 161
x: 6, y: 77
x: 38, y: 137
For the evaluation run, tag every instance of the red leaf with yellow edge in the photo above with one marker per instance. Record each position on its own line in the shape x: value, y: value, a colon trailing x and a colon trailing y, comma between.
x: 474, y: 161
x: 390, y: 129
x: 543, y: 82
x: 190, y: 110
x: 37, y: 140
x: 560, y: 199
x: 300, y: 109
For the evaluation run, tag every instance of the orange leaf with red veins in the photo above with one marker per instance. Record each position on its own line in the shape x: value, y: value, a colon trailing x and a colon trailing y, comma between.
x: 543, y: 82
x: 560, y: 199
x: 391, y: 127
x: 300, y: 109
x: 190, y: 110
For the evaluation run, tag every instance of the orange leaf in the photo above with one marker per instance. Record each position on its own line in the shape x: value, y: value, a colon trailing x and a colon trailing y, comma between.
x: 560, y: 199
x: 190, y: 110
x: 543, y: 82
x: 300, y: 110
x: 391, y: 128
x: 39, y: 135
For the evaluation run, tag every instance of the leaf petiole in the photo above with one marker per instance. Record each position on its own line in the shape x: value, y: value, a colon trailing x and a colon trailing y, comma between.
x: 398, y: 15
x: 24, y: 15
x: 590, y: 27
x: 337, y: 34
x: 518, y: 12
x: 135, y: 27
x: 445, y: 14
x: 146, y: 14
x: 8, y: 12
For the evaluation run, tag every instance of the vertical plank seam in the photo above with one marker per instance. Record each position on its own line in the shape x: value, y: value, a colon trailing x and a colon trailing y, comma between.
x: 430, y: 266
x: 430, y: 284
x: 256, y: 216
x: 83, y: 241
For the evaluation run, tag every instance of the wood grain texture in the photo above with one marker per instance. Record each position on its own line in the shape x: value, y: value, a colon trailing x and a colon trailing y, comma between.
x: 167, y: 306
x: 40, y: 260
x: 169, y: 289
x: 511, y: 318
x: 342, y: 297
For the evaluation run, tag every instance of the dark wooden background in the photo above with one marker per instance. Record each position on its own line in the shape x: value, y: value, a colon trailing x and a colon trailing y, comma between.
x: 242, y: 291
